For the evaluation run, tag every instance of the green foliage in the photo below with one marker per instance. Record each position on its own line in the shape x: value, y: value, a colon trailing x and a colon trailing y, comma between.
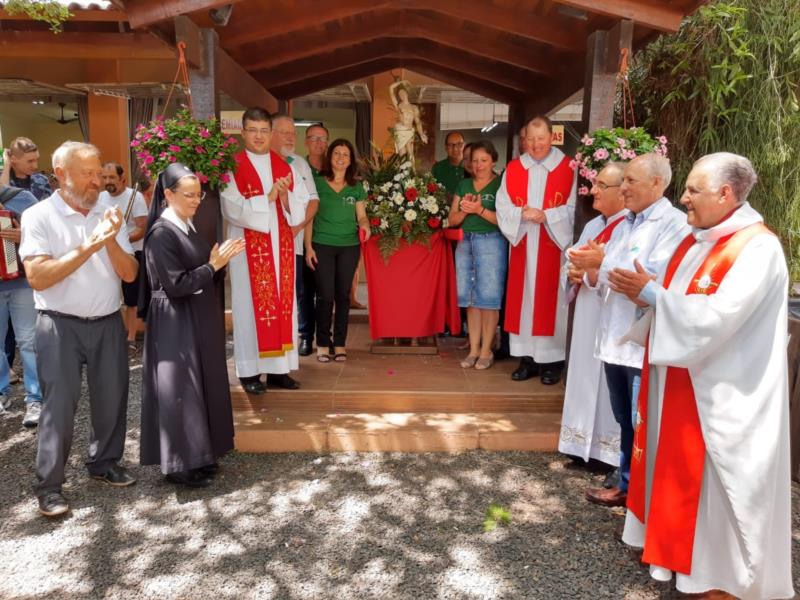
x: 496, y: 515
x: 728, y: 81
x: 403, y: 206
x: 49, y: 11
x: 198, y: 144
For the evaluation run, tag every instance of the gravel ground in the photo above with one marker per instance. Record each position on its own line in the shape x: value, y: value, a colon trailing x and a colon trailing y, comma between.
x: 342, y: 526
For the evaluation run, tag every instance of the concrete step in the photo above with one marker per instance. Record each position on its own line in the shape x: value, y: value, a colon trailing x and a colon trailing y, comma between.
x: 395, y: 432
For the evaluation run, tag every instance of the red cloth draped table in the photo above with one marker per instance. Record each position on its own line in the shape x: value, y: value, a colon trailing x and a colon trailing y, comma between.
x: 413, y: 293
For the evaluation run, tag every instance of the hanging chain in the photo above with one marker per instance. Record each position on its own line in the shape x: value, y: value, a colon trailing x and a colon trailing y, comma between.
x: 183, y: 73
x: 627, y: 98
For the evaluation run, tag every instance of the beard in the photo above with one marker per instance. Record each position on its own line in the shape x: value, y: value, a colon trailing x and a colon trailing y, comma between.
x: 85, y: 198
x: 112, y: 189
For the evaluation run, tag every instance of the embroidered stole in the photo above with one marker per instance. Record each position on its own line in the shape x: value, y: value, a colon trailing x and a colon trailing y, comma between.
x: 680, y: 453
x: 272, y: 300
x: 548, y: 259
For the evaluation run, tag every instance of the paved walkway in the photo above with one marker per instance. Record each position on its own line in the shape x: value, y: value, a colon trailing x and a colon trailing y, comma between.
x: 318, y: 527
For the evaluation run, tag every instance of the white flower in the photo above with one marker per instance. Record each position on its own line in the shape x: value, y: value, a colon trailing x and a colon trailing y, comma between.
x: 384, y: 224
x: 386, y: 187
x: 433, y: 207
x: 365, y: 183
x: 397, y: 198
x: 398, y: 177
x: 410, y: 214
x: 406, y: 165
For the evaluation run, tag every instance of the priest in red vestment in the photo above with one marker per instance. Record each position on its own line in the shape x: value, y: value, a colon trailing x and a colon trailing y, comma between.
x: 535, y: 211
x: 263, y: 201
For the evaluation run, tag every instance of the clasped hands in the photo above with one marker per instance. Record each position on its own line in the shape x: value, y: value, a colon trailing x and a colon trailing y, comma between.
x: 470, y: 204
x: 280, y: 188
x: 533, y: 215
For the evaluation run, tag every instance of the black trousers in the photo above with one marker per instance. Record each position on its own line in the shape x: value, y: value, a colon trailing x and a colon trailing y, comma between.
x: 306, y: 290
x: 333, y: 276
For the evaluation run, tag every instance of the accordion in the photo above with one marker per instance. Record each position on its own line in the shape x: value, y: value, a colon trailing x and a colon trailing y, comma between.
x: 9, y: 265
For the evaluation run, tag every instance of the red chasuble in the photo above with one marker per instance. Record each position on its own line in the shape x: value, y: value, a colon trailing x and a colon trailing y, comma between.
x: 548, y: 259
x: 681, y: 450
x: 272, y: 300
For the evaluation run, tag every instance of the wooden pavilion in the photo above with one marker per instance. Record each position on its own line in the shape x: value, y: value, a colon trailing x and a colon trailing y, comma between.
x: 529, y: 54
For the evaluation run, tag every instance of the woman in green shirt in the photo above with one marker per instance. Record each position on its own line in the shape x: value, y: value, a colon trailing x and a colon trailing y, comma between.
x: 332, y: 249
x: 482, y: 254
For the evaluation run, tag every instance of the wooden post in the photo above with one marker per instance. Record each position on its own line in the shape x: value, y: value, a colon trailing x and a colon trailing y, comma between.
x: 203, y: 83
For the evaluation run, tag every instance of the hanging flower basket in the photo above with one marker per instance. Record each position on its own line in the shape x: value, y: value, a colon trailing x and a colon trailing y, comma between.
x: 606, y: 145
x: 402, y: 204
x: 198, y: 144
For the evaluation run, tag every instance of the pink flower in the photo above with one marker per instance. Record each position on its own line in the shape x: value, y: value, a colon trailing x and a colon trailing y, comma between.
x: 204, y: 133
x: 221, y: 154
x: 174, y: 148
x: 587, y: 141
x: 584, y: 172
x: 663, y: 151
x: 583, y: 191
x: 214, y: 162
x: 600, y: 154
x: 199, y: 149
x: 573, y: 164
x: 578, y: 156
x: 187, y: 141
x: 161, y: 135
x: 662, y: 139
x: 160, y: 118
x: 621, y: 142
x: 135, y: 143
x: 225, y: 178
x: 173, y: 158
x: 162, y: 155
x: 591, y: 175
x: 202, y: 178
x: 149, y: 160
x: 146, y: 136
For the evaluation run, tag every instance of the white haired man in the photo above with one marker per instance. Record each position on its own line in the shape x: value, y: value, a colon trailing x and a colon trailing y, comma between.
x: 76, y: 252
x: 709, y: 495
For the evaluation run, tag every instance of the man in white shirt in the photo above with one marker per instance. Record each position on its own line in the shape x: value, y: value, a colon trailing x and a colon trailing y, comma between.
x: 649, y: 234
x: 134, y: 210
x: 284, y: 139
x: 75, y: 252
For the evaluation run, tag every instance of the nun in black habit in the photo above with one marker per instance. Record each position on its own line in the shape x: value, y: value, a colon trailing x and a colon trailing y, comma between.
x: 187, y: 422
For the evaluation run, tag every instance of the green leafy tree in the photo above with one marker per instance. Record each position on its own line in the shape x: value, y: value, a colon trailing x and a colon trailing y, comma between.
x: 51, y: 12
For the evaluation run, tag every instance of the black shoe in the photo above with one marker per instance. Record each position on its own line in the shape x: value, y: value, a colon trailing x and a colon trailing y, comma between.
x: 501, y: 354
x: 116, y: 476
x: 254, y: 387
x: 304, y: 348
x: 526, y: 369
x: 210, y: 470
x: 282, y: 381
x: 53, y: 504
x: 191, y: 478
x: 551, y: 373
x: 612, y: 479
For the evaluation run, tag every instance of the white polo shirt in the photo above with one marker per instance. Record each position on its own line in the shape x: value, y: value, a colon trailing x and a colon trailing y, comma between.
x: 139, y: 209
x: 52, y: 228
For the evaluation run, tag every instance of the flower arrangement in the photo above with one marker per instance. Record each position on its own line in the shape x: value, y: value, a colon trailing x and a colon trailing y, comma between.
x: 618, y: 144
x: 198, y: 144
x: 402, y: 204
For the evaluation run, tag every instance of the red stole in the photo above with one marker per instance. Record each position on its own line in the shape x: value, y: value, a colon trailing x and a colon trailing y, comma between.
x: 272, y: 300
x: 681, y: 450
x: 548, y: 259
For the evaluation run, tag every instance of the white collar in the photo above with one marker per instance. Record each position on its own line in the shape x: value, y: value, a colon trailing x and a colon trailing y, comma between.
x: 742, y: 217
x: 67, y: 210
x: 616, y: 216
x: 550, y: 162
x: 171, y: 216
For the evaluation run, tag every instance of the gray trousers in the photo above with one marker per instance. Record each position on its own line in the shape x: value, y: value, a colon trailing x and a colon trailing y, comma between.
x: 63, y: 345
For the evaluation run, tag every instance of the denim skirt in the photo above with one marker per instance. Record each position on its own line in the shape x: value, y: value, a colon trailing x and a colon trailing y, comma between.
x: 481, y: 265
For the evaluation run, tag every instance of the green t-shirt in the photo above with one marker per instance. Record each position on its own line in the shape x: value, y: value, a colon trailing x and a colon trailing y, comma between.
x: 475, y: 223
x: 448, y: 174
x: 335, y: 223
x: 314, y: 169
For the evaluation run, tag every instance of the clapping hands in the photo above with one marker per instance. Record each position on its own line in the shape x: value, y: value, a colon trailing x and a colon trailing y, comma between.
x: 470, y: 204
x: 107, y: 229
x: 587, y: 257
x: 221, y: 254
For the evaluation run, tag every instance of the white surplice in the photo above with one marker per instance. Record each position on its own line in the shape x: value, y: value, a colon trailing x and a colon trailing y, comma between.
x: 734, y: 344
x: 559, y: 223
x: 259, y: 214
x: 588, y: 427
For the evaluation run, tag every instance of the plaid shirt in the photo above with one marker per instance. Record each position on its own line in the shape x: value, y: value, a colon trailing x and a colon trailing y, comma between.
x: 37, y: 184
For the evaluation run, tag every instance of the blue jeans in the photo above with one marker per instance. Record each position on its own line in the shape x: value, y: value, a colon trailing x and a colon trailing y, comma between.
x: 623, y: 389
x: 19, y: 305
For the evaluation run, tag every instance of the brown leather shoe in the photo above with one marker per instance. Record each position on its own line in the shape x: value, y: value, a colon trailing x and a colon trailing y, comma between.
x: 604, y: 497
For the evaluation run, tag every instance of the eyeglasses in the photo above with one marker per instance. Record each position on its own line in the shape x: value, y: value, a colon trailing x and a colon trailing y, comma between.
x: 316, y: 138
x: 253, y: 131
x: 604, y: 186
x: 192, y: 195
x: 455, y: 145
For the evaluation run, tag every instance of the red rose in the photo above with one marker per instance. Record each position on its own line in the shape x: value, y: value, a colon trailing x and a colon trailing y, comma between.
x: 411, y: 194
x: 432, y: 187
x: 434, y: 222
x: 374, y: 221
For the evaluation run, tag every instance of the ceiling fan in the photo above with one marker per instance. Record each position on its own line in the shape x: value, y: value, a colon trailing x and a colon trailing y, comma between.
x: 62, y: 120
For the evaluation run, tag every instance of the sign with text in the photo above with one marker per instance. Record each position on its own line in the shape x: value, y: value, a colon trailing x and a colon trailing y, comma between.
x: 231, y: 121
x: 558, y: 135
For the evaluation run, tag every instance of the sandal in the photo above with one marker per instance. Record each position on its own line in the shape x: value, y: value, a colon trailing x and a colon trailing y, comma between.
x: 469, y: 362
x: 340, y: 357
x: 323, y: 358
x: 484, y: 363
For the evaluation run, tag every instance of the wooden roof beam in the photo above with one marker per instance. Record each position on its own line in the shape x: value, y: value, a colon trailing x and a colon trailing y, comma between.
x: 479, y: 66
x: 291, y: 48
x: 142, y: 13
x: 89, y: 15
x: 332, y: 79
x: 291, y: 20
x: 649, y: 13
x: 110, y: 46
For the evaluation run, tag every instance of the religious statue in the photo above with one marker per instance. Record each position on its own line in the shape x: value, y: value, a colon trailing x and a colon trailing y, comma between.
x: 408, y: 123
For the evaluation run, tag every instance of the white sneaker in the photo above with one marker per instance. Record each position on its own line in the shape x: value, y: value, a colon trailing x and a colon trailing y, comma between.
x: 5, y: 403
x: 32, y: 412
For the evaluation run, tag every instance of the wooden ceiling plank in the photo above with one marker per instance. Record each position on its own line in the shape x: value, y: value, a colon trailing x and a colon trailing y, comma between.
x: 90, y: 15
x: 44, y: 44
x: 649, y: 13
x: 142, y: 13
x: 333, y: 78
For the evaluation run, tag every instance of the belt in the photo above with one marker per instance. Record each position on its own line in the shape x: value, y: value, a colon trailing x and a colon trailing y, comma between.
x: 158, y: 294
x: 54, y: 313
